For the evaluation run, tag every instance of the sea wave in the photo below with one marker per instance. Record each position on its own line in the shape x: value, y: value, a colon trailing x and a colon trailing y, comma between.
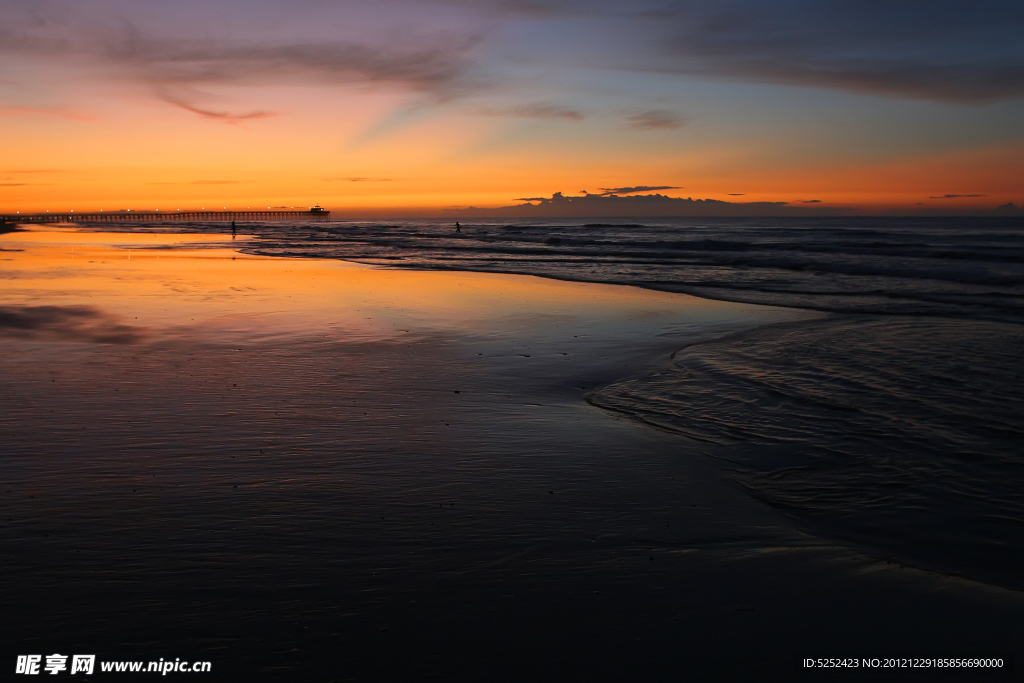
x: 967, y: 268
x: 900, y: 434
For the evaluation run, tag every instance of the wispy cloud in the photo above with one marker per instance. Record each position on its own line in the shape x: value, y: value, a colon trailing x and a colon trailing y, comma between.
x: 656, y: 119
x: 153, y: 47
x: 50, y: 112
x: 26, y: 171
x: 536, y: 111
x: 940, y: 51
x: 15, y: 178
x: 956, y: 196
x: 233, y: 119
x: 358, y: 179
x: 201, y: 182
x: 430, y: 65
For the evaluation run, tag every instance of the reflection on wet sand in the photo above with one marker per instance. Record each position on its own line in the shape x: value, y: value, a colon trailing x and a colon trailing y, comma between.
x: 175, y: 282
x: 65, y: 323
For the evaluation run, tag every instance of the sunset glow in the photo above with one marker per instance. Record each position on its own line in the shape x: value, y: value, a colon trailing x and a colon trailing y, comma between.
x: 416, y: 107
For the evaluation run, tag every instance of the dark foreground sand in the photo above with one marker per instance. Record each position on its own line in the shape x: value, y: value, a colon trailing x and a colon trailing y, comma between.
x: 307, y: 470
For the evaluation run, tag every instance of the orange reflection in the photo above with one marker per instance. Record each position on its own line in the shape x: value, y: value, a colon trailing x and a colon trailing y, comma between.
x: 196, y: 284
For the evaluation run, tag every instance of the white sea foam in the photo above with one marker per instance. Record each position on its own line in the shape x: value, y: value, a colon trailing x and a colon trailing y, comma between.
x: 950, y: 267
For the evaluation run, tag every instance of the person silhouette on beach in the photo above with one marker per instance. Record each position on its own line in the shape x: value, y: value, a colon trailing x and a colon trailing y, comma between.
x: 233, y: 231
x: 458, y: 228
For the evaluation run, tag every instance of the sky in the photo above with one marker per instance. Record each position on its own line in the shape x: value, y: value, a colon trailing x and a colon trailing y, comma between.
x: 396, y: 107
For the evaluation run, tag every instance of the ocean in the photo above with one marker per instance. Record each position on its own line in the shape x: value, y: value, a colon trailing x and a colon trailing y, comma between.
x: 950, y: 267
x: 895, y: 422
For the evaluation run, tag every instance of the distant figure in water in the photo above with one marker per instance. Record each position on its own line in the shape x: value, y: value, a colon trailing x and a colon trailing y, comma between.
x: 233, y: 231
x: 458, y: 228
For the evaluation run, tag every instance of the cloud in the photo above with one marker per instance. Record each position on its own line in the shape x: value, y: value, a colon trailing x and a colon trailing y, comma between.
x: 226, y: 117
x: 811, y: 201
x: 637, y: 188
x: 179, y: 51
x: 35, y: 170
x: 203, y: 182
x: 444, y: 49
x: 50, y: 112
x: 521, y: 8
x: 941, y: 51
x: 656, y: 119
x: 358, y: 179
x: 737, y: 194
x: 956, y: 196
x: 652, y: 205
x: 431, y: 65
x: 65, y: 323
x: 536, y: 111
x: 427, y: 69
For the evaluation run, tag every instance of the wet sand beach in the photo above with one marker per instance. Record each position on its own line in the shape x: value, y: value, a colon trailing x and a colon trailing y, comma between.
x: 313, y: 470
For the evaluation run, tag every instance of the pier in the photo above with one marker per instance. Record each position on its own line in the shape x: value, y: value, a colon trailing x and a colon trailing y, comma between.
x: 127, y: 216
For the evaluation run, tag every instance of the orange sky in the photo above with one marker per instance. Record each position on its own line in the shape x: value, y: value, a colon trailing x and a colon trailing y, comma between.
x: 473, y: 108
